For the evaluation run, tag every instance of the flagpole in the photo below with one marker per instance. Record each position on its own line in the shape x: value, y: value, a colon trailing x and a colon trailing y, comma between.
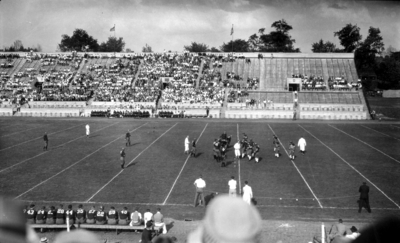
x: 115, y: 39
x: 232, y: 39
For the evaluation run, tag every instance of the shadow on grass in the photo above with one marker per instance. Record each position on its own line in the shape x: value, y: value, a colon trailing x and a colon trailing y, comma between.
x: 209, y: 197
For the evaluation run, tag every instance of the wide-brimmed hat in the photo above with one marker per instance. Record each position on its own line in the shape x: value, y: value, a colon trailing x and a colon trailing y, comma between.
x: 228, y: 220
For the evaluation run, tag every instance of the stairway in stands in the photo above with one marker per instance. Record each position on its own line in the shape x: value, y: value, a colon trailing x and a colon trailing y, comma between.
x: 137, y: 74
x: 200, y: 73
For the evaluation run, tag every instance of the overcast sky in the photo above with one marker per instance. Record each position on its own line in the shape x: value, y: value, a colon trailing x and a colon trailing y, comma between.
x: 171, y: 24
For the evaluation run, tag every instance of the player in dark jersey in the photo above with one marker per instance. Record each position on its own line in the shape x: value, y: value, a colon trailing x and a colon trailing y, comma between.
x: 60, y: 215
x: 112, y: 216
x: 91, y: 216
x: 124, y: 216
x: 193, y: 150
x: 274, y: 141
x: 243, y: 145
x: 128, y: 139
x: 70, y: 214
x: 41, y: 216
x: 256, y: 150
x: 101, y: 216
x: 51, y: 215
x: 292, y: 147
x: 122, y: 157
x: 31, y: 214
x: 216, y: 150
x: 46, y: 141
x: 277, y: 149
x: 225, y: 139
x: 80, y: 215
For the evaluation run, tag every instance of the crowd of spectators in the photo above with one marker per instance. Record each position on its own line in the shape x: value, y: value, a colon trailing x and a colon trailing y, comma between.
x: 340, y: 83
x: 311, y: 82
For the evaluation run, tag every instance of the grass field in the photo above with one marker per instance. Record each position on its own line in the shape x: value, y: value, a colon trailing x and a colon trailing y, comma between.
x: 321, y: 185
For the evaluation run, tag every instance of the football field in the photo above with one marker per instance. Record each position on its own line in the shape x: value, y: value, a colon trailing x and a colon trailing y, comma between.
x: 321, y: 184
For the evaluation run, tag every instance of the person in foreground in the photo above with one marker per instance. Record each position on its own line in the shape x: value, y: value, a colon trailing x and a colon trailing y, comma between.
x: 221, y: 225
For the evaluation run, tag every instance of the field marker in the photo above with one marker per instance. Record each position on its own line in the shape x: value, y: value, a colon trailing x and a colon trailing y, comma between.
x: 394, y: 126
x: 18, y: 132
x: 191, y: 205
x: 76, y: 162
x: 173, y: 185
x: 364, y: 143
x: 351, y: 167
x: 1, y: 171
x: 295, y: 166
x: 39, y: 138
x: 240, y: 185
x: 137, y: 156
x: 380, y: 132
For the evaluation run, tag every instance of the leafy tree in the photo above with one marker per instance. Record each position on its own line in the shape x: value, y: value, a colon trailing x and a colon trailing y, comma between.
x: 128, y: 50
x: 239, y: 45
x: 365, y: 55
x: 276, y: 41
x: 196, y: 47
x: 323, y: 47
x: 213, y: 49
x: 112, y: 45
x: 80, y: 40
x: 147, y: 49
x: 388, y: 71
x: 349, y: 37
x: 18, y: 46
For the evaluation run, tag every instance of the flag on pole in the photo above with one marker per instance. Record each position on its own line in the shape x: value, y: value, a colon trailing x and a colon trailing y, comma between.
x: 232, y: 30
x: 113, y: 28
x: 353, y: 29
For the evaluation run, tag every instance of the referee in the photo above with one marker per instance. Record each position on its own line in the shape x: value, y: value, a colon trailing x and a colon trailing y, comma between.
x: 46, y: 141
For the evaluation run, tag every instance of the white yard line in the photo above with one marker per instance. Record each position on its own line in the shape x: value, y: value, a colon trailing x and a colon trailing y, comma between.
x: 5, y: 169
x: 129, y: 163
x: 240, y: 185
x: 191, y: 205
x: 295, y: 166
x: 18, y: 132
x: 173, y: 185
x: 41, y: 137
x: 351, y: 167
x: 380, y: 132
x: 41, y: 183
x: 365, y: 143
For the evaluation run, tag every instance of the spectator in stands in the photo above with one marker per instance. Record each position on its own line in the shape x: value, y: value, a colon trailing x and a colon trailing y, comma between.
x: 159, y: 221
x: 101, y: 217
x: 148, y: 216
x: 112, y: 216
x: 60, y: 215
x: 80, y: 215
x: 31, y: 214
x: 70, y: 214
x: 148, y: 233
x: 123, y: 216
x: 41, y: 216
x: 91, y: 216
x: 51, y: 215
x: 338, y: 229
x: 136, y: 218
x: 220, y: 224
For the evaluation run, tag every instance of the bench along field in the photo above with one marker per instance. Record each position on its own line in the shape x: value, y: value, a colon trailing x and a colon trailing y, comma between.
x: 322, y: 184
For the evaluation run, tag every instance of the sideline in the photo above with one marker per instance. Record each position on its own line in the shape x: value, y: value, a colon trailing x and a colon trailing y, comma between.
x: 380, y: 132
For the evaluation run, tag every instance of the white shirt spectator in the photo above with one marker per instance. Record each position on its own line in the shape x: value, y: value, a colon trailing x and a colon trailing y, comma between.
x: 147, y: 216
x: 232, y: 184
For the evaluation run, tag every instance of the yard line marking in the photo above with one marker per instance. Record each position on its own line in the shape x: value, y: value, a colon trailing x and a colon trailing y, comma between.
x: 76, y: 162
x: 240, y: 185
x: 364, y: 143
x: 295, y: 166
x: 18, y: 132
x: 191, y: 205
x: 380, y: 132
x: 39, y: 137
x: 394, y: 126
x: 137, y: 156
x: 173, y: 185
x: 351, y: 167
x: 1, y: 171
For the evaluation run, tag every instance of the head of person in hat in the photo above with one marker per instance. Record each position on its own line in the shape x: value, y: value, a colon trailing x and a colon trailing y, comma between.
x: 228, y: 220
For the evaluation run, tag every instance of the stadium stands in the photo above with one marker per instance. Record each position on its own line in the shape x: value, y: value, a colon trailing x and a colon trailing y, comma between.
x: 78, y: 81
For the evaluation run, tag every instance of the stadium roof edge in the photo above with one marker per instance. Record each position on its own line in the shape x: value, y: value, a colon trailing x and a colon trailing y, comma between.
x: 245, y: 54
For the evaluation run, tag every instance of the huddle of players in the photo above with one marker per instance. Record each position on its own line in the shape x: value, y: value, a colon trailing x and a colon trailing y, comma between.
x: 81, y: 216
x: 220, y: 147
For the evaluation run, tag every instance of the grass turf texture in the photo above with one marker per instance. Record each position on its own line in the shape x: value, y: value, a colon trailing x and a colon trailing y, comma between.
x: 76, y: 169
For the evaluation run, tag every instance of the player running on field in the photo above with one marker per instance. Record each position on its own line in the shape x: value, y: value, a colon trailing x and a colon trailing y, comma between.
x: 46, y: 141
x: 277, y: 149
x: 122, y: 154
x: 193, y: 150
